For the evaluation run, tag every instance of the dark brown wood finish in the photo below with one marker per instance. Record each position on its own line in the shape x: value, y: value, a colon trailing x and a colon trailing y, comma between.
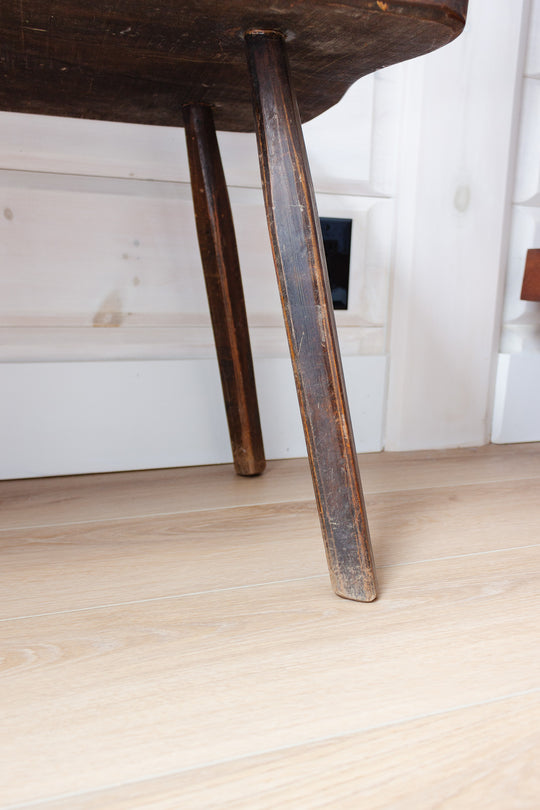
x: 307, y: 304
x: 137, y: 61
x: 221, y: 267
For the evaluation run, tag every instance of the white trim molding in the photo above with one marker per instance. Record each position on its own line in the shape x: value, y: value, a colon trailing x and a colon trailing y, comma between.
x: 516, y: 415
x: 64, y: 418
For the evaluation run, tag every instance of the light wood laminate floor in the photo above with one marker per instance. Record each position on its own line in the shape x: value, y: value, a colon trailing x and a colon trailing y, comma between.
x: 169, y: 640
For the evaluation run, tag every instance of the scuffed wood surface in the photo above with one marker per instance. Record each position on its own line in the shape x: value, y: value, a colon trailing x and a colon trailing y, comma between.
x: 302, y: 276
x: 131, y: 61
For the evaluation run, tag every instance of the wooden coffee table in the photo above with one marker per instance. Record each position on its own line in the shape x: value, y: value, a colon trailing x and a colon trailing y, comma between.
x: 240, y: 65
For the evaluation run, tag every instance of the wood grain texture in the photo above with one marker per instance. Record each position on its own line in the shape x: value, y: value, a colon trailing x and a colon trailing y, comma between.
x: 42, y: 502
x: 169, y: 556
x: 483, y: 755
x: 275, y: 694
x: 183, y: 685
x: 309, y: 318
x: 221, y: 267
x: 131, y: 62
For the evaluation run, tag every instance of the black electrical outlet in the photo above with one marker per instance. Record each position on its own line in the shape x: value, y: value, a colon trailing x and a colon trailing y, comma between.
x: 337, y: 247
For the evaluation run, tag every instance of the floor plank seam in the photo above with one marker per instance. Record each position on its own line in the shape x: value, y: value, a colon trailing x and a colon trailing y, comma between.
x: 254, y: 505
x: 460, y: 556
x: 162, y: 598
x: 123, y: 518
x: 251, y: 585
x: 267, y: 752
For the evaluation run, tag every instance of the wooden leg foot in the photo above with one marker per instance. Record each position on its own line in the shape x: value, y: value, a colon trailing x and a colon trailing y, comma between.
x: 221, y: 267
x: 303, y: 282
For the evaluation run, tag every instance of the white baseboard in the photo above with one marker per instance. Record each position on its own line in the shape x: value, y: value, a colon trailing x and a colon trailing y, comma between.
x: 70, y: 418
x: 516, y: 414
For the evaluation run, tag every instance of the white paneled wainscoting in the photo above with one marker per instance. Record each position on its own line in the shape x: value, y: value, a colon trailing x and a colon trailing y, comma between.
x: 148, y: 414
x: 517, y: 393
x: 107, y: 354
x: 106, y: 350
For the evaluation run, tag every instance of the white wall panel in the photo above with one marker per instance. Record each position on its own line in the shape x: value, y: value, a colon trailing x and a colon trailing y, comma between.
x: 102, y: 268
x: 516, y: 414
x: 527, y: 182
x: 99, y: 265
x: 63, y: 418
x: 450, y: 251
x: 532, y: 65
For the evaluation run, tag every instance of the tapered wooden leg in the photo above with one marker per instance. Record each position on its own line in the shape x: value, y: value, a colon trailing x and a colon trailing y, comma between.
x: 221, y: 268
x: 305, y: 293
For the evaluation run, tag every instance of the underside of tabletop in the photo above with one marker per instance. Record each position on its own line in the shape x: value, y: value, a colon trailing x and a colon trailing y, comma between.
x: 138, y: 61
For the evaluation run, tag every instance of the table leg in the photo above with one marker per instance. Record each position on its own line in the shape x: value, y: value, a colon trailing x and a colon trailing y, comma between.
x: 221, y: 268
x: 303, y: 282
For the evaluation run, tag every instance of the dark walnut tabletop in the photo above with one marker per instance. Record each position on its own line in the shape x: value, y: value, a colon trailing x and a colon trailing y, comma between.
x: 140, y: 60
